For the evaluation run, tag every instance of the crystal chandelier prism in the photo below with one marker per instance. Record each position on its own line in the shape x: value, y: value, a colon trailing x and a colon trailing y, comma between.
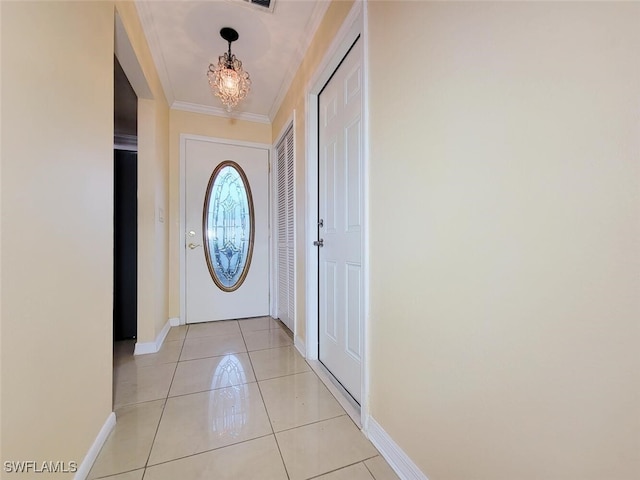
x: 227, y: 79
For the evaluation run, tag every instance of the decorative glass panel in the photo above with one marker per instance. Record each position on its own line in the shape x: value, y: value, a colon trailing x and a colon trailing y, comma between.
x: 228, y: 226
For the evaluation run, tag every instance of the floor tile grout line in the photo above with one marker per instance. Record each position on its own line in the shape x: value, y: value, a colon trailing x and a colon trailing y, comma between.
x: 342, y: 468
x: 284, y: 465
x: 164, y: 406
x: 211, y: 390
x: 260, y: 391
x: 283, y: 376
x: 128, y: 405
x: 208, y: 451
x: 212, y: 356
x: 367, y: 467
x: 281, y: 347
x: 333, y: 471
x: 116, y: 474
x: 261, y: 329
x: 311, y: 423
x: 286, y: 471
x: 270, y: 348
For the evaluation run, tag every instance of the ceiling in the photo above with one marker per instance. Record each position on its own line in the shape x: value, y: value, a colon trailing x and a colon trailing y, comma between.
x: 184, y: 39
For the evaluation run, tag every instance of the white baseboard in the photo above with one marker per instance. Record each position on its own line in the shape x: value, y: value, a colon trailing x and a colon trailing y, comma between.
x: 85, y: 467
x: 392, y: 453
x: 300, y: 346
x: 174, y: 322
x: 153, y: 347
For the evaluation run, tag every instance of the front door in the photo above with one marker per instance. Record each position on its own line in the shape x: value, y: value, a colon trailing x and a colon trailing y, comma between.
x: 340, y: 223
x: 227, y: 237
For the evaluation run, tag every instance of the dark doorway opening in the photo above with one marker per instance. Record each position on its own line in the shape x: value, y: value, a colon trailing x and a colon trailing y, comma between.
x: 125, y: 245
x: 125, y: 212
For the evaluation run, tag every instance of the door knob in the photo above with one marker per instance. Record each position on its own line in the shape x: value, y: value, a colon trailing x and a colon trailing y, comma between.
x: 194, y: 245
x: 319, y: 243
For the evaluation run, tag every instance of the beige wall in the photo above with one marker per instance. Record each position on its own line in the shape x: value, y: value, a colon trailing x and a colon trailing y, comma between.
x: 153, y: 187
x: 505, y: 224
x: 295, y: 100
x: 182, y: 122
x: 57, y: 227
x: 1, y: 430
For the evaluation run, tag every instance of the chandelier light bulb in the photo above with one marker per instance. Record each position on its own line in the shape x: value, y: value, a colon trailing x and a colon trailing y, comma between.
x: 230, y: 81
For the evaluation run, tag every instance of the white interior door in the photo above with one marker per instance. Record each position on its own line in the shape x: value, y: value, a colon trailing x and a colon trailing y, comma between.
x: 229, y: 229
x: 341, y: 282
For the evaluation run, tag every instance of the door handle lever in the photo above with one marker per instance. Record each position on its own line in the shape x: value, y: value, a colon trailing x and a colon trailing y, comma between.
x: 194, y: 245
x: 319, y: 243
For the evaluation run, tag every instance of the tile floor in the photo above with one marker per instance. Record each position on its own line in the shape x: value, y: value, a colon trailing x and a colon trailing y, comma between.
x: 229, y: 400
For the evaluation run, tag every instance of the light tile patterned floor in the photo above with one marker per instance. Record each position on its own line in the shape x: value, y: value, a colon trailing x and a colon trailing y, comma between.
x: 229, y: 400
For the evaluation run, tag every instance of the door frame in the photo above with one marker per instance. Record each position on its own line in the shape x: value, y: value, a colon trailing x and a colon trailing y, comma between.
x: 353, y: 26
x: 182, y: 239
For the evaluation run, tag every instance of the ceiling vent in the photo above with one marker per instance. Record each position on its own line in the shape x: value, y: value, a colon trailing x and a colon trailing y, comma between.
x: 264, y: 5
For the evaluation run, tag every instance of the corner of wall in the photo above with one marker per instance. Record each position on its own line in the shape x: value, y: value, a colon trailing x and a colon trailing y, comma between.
x: 391, y: 451
x: 87, y: 463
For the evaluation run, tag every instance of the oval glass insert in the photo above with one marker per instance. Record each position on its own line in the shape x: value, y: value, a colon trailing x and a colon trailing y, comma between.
x: 228, y: 226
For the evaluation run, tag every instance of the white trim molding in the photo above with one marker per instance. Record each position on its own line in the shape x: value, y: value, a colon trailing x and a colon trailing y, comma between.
x: 94, y: 450
x: 220, y: 112
x: 366, y: 330
x: 153, y: 347
x: 352, y: 28
x: 174, y: 322
x: 300, y: 346
x: 392, y: 453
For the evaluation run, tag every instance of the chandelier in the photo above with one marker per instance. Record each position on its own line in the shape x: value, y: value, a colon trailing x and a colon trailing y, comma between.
x: 227, y: 79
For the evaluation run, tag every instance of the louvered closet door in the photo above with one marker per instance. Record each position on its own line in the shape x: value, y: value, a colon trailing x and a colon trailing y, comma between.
x: 286, y: 237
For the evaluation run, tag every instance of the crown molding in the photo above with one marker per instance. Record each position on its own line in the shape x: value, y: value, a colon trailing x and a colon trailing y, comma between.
x: 311, y: 28
x: 220, y: 112
x: 151, y: 34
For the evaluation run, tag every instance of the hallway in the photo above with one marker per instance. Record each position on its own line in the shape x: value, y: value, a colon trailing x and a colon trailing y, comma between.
x: 229, y: 400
